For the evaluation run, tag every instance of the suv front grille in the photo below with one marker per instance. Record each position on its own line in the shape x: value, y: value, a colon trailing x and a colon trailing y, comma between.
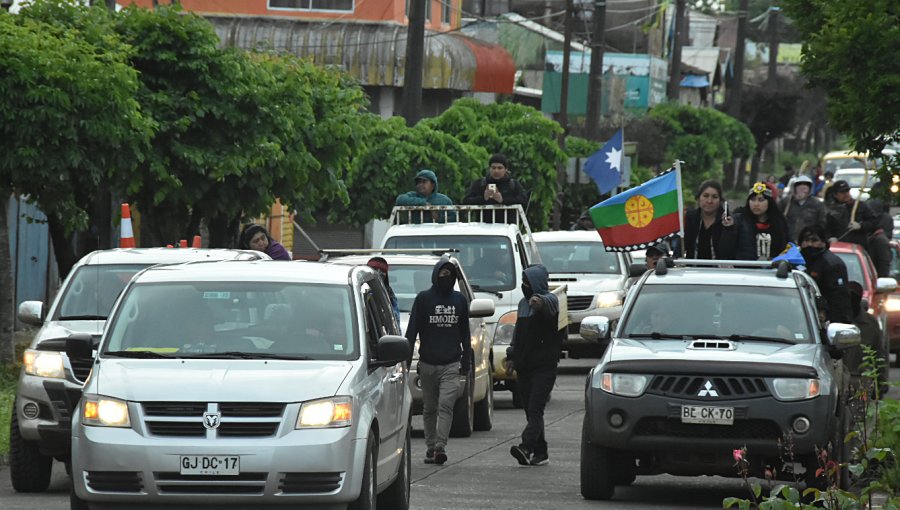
x: 114, y: 481
x: 579, y: 302
x: 236, y: 419
x: 306, y: 483
x: 689, y: 387
x: 81, y: 368
x: 674, y: 428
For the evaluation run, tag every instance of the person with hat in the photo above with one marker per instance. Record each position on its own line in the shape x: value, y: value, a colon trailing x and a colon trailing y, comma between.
x: 762, y: 230
x: 654, y: 253
x: 801, y: 208
x: 426, y: 193
x: 497, y: 187
x: 849, y: 220
x: 870, y: 334
x: 256, y: 237
x: 829, y: 272
x: 584, y: 222
x: 381, y: 267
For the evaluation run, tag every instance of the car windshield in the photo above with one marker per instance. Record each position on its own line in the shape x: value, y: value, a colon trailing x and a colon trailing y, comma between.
x: 487, y: 260
x: 93, y: 290
x: 718, y: 311
x: 854, y: 268
x: 575, y: 257
x: 407, y: 281
x: 855, y: 180
x: 238, y: 319
x: 833, y: 165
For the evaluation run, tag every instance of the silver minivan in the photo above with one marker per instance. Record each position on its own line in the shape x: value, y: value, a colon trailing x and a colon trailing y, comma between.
x: 249, y: 384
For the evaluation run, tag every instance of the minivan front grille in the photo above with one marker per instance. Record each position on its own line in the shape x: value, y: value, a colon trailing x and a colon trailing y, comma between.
x: 176, y: 428
x: 174, y: 408
x: 226, y: 419
x: 244, y: 483
x: 114, y: 481
x: 309, y: 483
x: 579, y: 302
x: 725, y: 387
x: 259, y: 410
x: 241, y: 429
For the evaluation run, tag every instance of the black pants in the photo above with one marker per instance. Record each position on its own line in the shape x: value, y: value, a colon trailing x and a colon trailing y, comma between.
x: 535, y: 387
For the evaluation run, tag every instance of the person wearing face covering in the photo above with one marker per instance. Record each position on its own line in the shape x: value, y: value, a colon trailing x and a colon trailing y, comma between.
x: 534, y: 355
x: 829, y: 272
x: 439, y: 319
x: 381, y: 267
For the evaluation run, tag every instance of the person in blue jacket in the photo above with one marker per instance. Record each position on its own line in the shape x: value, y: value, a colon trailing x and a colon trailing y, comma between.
x: 426, y: 193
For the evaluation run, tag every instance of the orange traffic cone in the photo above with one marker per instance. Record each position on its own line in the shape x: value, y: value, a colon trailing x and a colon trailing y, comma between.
x: 197, y: 242
x: 182, y: 243
x: 126, y: 237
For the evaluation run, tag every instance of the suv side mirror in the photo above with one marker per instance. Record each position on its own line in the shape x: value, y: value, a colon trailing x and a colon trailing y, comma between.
x: 392, y: 349
x: 594, y: 328
x: 80, y: 346
x: 842, y: 336
x: 885, y: 285
x: 481, y: 307
x: 31, y: 312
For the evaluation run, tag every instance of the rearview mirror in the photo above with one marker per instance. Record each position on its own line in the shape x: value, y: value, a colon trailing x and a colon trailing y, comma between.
x: 392, y: 349
x: 481, y: 307
x: 31, y: 312
x: 885, y: 285
x: 594, y: 328
x: 842, y: 336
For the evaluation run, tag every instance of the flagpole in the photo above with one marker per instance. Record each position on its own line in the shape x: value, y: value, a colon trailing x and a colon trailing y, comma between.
x: 680, y: 205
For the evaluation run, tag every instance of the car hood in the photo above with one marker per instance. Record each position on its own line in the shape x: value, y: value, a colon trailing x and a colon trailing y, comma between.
x: 62, y: 329
x: 586, y: 283
x: 218, y: 380
x: 745, y: 352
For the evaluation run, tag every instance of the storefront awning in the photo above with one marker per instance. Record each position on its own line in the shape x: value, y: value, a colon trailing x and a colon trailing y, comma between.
x: 375, y: 53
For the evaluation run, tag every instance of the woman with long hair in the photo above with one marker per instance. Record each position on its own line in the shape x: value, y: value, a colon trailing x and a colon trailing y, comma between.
x: 709, y: 231
x: 762, y: 229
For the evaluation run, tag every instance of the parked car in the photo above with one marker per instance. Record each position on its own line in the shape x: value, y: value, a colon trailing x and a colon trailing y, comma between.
x: 246, y: 383
x: 50, y: 382
x: 411, y: 274
x: 838, y: 160
x: 597, y: 281
x: 706, y: 360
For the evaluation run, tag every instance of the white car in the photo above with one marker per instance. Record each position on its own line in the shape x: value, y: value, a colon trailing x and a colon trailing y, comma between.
x: 855, y: 178
x: 597, y: 280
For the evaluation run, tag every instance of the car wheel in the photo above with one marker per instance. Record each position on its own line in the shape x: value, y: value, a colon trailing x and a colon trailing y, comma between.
x: 624, y: 478
x: 367, y: 495
x: 29, y: 471
x: 76, y: 503
x: 484, y: 409
x: 596, y: 476
x: 396, y: 496
x: 464, y: 409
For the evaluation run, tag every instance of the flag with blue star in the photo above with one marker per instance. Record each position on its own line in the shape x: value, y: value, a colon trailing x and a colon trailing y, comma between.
x: 605, y: 165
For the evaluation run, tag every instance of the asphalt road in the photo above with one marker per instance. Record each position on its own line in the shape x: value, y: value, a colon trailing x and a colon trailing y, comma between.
x: 481, y: 474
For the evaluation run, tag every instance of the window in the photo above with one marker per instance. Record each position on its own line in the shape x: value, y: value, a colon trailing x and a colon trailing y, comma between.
x: 427, y: 9
x: 446, y: 11
x: 569, y: 257
x: 94, y: 290
x: 312, y: 5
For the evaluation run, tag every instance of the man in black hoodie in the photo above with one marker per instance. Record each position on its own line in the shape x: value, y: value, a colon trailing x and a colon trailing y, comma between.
x: 534, y: 353
x: 439, y: 319
x: 497, y: 188
x: 829, y: 272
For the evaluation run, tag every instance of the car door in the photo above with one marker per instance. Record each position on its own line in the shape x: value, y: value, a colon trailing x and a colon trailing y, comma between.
x: 393, y: 402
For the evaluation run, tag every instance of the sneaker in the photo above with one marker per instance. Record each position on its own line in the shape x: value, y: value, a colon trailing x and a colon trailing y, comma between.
x: 540, y: 459
x: 440, y: 456
x: 429, y: 456
x: 521, y: 454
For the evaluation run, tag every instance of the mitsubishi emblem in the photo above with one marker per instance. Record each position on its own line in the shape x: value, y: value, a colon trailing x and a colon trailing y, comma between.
x: 707, y: 390
x: 211, y: 420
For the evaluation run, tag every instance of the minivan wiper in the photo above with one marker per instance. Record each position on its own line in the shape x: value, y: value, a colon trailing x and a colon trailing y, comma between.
x: 479, y: 288
x: 655, y: 335
x: 246, y: 355
x: 138, y: 354
x: 83, y: 318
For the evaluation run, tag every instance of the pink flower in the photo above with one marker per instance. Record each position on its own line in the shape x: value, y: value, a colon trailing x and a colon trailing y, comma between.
x: 738, y: 455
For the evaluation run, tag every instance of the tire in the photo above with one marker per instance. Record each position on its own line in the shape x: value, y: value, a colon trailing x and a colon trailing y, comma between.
x: 367, y: 496
x: 624, y: 478
x: 396, y: 496
x: 29, y: 471
x: 596, y: 477
x: 464, y: 410
x: 76, y: 503
x: 484, y: 409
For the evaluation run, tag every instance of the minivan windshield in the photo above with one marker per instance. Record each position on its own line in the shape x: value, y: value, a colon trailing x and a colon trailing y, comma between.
x: 235, y: 319
x: 576, y: 257
x: 407, y: 281
x: 487, y: 260
x: 718, y: 311
x: 93, y: 290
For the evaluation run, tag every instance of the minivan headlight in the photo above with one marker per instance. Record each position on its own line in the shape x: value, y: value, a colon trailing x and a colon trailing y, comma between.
x: 326, y: 413
x: 626, y: 385
x: 795, y: 389
x: 104, y: 411
x: 44, y: 364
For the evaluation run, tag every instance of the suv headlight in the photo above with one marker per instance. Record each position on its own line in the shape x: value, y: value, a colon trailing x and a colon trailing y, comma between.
x: 609, y: 299
x: 626, y: 385
x: 44, y: 364
x: 795, y: 389
x: 326, y: 413
x: 506, y: 326
x: 104, y: 411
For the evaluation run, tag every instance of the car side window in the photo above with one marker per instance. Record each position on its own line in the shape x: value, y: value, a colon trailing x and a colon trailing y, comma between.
x: 523, y: 258
x: 384, y: 310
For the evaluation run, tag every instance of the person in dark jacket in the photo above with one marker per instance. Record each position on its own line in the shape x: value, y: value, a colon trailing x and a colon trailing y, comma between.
x: 709, y: 230
x: 498, y: 187
x: 879, y: 240
x: 829, y: 272
x: 439, y: 319
x: 534, y: 355
x: 848, y: 221
x: 762, y: 231
x: 256, y: 237
x: 381, y: 267
x: 870, y: 334
x: 426, y: 193
x: 800, y: 208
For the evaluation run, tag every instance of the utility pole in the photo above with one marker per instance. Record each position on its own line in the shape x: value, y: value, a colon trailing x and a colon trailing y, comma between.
x: 773, y: 46
x: 415, y: 56
x: 563, y: 114
x: 595, y: 79
x: 675, y: 65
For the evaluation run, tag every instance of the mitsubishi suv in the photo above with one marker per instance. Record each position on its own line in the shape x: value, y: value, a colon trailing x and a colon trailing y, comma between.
x: 707, y: 360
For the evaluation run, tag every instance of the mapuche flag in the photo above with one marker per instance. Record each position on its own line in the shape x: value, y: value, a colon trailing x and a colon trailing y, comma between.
x: 641, y: 216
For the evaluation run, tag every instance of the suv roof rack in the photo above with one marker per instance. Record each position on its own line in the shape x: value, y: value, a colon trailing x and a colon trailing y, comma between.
x: 783, y: 267
x: 337, y: 252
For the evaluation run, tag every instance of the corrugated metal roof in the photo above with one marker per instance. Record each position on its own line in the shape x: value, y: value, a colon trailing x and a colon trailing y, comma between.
x: 374, y: 53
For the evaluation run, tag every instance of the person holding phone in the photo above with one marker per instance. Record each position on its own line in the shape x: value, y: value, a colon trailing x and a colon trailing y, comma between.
x: 709, y: 230
x: 497, y: 187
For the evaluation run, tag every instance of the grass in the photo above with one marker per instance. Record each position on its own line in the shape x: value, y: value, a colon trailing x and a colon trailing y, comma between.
x: 9, y: 377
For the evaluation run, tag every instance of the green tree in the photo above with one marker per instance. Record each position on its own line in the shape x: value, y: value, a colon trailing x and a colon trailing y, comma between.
x: 848, y: 52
